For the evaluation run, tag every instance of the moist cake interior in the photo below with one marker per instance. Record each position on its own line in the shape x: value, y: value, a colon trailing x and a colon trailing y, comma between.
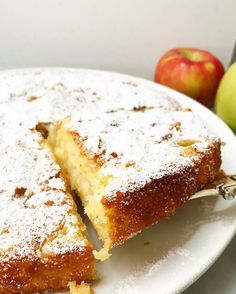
x: 84, y: 178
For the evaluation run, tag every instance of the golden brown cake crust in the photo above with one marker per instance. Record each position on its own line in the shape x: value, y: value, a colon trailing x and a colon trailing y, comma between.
x: 53, y: 273
x: 131, y: 212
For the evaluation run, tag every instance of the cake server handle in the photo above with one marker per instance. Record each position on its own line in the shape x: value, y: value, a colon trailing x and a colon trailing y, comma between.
x: 226, y: 189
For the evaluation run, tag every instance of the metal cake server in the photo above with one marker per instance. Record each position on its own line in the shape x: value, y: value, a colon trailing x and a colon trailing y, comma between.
x: 226, y: 189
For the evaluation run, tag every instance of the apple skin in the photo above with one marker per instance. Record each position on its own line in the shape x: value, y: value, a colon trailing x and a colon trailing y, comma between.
x: 194, y: 72
x: 225, y: 104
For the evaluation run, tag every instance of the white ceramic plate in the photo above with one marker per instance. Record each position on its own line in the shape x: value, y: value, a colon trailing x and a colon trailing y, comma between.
x: 171, y: 255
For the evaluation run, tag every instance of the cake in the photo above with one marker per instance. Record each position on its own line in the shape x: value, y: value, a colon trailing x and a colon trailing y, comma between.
x: 132, y: 153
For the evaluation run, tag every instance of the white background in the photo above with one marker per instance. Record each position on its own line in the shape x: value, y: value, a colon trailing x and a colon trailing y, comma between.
x: 120, y: 35
x: 126, y: 36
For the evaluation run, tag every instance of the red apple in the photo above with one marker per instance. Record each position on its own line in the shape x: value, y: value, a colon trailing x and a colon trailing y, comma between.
x: 193, y: 72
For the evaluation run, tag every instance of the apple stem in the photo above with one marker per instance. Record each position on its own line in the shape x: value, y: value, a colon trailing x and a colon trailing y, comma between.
x: 233, y: 59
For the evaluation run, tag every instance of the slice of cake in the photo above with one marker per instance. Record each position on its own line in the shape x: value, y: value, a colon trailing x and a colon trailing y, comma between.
x: 132, y: 168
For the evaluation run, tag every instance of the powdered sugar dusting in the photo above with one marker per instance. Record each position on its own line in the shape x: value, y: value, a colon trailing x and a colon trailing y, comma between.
x: 140, y: 144
x: 130, y: 285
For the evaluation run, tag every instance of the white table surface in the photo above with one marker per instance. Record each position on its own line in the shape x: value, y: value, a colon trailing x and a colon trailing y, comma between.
x: 124, y: 36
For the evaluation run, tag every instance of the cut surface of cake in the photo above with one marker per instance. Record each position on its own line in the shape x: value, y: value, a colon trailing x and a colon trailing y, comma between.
x: 133, y: 154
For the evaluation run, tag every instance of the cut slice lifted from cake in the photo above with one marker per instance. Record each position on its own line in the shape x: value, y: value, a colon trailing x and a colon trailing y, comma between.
x: 132, y: 168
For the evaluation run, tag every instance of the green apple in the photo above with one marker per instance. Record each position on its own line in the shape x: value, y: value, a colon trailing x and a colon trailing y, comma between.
x: 225, y: 104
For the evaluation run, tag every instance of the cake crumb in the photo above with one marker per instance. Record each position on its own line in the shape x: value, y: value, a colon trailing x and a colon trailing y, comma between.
x: 31, y: 98
x: 146, y: 243
x: 102, y: 254
x: 83, y: 288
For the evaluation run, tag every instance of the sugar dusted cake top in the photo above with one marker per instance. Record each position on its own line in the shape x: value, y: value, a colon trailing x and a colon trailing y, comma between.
x: 138, y: 145
x: 132, y: 128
